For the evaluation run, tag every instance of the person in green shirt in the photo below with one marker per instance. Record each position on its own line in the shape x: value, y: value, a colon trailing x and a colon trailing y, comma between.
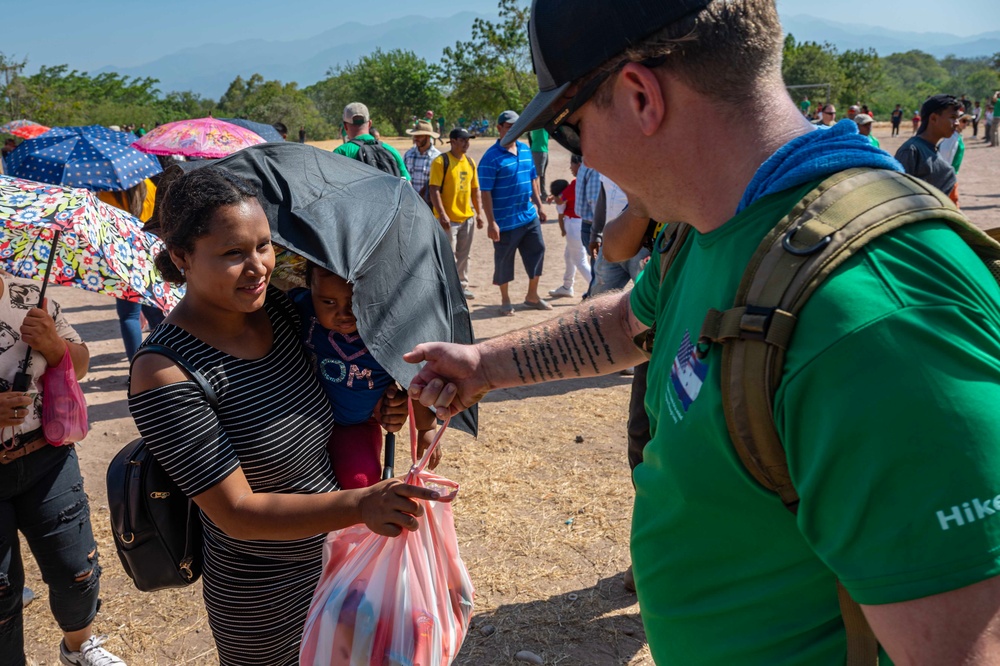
x: 540, y: 155
x: 357, y: 126
x: 864, y: 122
x: 886, y: 407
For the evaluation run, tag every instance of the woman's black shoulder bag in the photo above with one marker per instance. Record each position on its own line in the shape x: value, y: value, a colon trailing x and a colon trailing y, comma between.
x: 157, y: 529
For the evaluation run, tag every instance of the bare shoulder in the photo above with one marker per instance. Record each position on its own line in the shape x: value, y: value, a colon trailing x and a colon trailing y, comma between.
x: 150, y: 371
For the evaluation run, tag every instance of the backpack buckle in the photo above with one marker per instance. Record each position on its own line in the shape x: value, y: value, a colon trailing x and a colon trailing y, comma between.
x: 755, y: 322
x: 665, y: 241
x: 786, y: 242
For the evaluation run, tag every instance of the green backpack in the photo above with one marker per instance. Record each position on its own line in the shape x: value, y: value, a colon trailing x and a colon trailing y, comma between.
x: 826, y: 228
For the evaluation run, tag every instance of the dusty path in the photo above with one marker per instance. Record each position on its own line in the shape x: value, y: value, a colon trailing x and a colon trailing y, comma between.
x: 543, y: 521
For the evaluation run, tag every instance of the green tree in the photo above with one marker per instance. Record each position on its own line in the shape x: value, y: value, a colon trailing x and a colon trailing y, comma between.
x: 808, y: 63
x: 395, y: 86
x: 982, y: 84
x: 491, y: 71
x: 12, y: 90
x: 273, y: 101
x: 862, y: 72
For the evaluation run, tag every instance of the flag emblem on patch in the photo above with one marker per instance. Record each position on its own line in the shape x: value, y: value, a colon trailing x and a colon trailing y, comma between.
x: 688, y: 372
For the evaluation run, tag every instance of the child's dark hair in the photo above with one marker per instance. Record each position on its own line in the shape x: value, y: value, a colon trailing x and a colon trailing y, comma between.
x: 312, y: 266
x: 557, y: 187
x: 188, y: 205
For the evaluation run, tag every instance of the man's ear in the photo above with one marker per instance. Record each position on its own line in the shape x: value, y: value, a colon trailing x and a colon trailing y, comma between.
x: 645, y: 95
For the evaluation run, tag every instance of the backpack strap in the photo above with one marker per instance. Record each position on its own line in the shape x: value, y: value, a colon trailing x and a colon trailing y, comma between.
x: 667, y: 246
x: 826, y: 228
x: 197, y: 377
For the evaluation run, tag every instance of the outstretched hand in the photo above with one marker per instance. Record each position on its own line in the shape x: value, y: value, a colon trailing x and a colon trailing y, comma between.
x: 389, y: 507
x: 453, y: 377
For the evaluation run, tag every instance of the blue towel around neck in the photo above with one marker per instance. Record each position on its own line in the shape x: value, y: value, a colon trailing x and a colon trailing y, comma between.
x: 813, y: 156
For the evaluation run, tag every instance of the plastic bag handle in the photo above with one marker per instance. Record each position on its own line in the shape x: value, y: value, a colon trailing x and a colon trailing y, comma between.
x: 419, y: 465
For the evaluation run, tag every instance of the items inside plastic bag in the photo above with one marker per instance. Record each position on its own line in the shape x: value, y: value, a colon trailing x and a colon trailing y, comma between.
x: 393, y: 601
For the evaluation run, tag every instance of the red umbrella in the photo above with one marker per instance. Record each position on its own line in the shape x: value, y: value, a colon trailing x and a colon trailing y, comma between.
x: 26, y: 129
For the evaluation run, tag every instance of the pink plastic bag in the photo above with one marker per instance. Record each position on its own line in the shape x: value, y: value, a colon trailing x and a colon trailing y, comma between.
x: 64, y: 409
x: 393, y: 601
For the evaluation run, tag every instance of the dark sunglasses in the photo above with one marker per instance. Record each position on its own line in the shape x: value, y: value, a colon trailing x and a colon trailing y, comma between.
x: 567, y: 134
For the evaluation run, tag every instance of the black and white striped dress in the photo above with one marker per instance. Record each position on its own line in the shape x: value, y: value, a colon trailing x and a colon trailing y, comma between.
x: 273, y: 421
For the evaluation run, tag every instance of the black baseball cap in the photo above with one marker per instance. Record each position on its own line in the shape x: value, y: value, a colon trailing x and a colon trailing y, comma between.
x: 601, y: 29
x: 459, y: 133
x: 937, y: 104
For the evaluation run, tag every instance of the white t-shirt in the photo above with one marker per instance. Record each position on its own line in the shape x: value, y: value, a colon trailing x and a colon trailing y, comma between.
x: 20, y: 296
x: 948, y: 147
x: 614, y: 198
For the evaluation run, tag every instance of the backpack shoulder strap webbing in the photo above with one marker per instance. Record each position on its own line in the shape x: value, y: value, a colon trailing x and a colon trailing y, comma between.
x: 827, y: 227
x: 666, y: 246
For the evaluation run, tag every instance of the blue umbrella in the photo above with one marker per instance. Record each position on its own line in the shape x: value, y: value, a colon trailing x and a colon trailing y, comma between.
x: 266, y: 132
x: 92, y: 157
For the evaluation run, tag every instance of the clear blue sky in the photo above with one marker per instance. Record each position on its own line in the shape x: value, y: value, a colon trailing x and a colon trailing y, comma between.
x: 89, y: 35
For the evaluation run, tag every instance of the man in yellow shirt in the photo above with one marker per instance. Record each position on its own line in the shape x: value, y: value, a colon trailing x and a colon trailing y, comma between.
x: 454, y: 188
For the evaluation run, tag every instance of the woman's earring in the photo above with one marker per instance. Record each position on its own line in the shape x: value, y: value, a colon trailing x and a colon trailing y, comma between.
x: 182, y: 272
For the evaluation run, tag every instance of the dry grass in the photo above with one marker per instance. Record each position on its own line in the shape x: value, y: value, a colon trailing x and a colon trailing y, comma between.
x: 522, y: 480
x: 543, y: 528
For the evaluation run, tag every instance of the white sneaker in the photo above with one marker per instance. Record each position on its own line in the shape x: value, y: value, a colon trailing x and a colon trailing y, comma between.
x: 91, y: 654
x: 561, y: 292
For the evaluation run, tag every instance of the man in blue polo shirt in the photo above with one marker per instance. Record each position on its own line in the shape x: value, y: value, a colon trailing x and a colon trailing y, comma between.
x: 513, y: 207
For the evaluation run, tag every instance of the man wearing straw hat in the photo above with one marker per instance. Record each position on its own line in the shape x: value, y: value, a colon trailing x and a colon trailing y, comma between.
x: 886, y: 407
x: 418, y: 158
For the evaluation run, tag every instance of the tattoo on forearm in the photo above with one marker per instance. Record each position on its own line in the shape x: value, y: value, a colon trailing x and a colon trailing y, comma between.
x: 587, y: 338
x: 579, y: 343
x: 566, y: 357
x: 552, y: 353
x: 600, y: 335
x: 525, y: 344
x: 520, y: 370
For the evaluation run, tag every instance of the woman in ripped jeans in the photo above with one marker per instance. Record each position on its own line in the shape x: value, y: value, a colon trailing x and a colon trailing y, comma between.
x: 41, y: 489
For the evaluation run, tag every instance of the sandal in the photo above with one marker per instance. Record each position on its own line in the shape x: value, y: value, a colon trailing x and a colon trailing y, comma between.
x: 538, y: 305
x: 507, y: 310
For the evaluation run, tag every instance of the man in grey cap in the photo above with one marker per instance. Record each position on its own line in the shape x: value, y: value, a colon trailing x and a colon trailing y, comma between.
x: 886, y: 401
x: 358, y: 125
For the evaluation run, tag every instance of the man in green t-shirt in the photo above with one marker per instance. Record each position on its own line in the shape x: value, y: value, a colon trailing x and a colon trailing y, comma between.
x: 887, y: 402
x: 357, y: 126
x: 540, y: 156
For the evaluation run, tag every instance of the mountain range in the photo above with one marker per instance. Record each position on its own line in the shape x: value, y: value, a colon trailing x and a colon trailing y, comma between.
x: 209, y: 69
x: 847, y: 36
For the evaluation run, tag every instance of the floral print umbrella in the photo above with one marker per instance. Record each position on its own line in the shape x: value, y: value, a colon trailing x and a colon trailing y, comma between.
x: 102, y: 249
x: 26, y: 129
x: 200, y: 137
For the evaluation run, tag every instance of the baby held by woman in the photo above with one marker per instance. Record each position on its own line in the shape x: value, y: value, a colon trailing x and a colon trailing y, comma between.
x: 351, y: 377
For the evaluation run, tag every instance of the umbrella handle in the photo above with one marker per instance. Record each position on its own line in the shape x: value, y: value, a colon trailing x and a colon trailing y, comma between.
x: 390, y: 456
x: 22, y: 380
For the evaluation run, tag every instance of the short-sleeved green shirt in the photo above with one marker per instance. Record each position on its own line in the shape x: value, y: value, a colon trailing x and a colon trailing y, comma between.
x: 350, y: 149
x: 539, y: 139
x: 887, y: 410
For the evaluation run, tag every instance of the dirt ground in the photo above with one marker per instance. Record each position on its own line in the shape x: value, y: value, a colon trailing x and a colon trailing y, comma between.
x: 542, y: 518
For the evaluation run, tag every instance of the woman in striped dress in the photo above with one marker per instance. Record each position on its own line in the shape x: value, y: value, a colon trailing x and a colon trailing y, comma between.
x: 258, y: 466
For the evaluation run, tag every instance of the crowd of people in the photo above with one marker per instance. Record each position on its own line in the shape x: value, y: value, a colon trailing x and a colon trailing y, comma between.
x: 881, y: 522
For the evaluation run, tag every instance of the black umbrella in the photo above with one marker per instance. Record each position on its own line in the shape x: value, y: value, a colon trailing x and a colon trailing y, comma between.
x: 374, y: 230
